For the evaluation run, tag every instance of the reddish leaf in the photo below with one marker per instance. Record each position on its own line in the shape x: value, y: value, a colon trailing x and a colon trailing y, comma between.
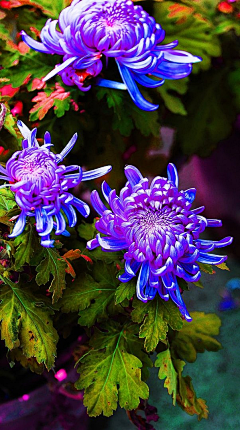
x: 73, y: 254
x: 44, y: 102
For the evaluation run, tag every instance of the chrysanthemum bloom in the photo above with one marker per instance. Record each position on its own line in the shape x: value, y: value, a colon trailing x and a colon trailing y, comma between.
x: 155, y: 225
x: 90, y: 30
x: 41, y: 185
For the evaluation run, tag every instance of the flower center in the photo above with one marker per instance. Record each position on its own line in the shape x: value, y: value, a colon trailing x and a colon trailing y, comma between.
x: 151, y: 220
x: 113, y: 20
x: 36, y: 167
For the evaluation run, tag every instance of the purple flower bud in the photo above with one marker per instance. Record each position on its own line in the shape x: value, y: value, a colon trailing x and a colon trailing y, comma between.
x: 91, y: 30
x: 159, y: 232
x: 41, y: 185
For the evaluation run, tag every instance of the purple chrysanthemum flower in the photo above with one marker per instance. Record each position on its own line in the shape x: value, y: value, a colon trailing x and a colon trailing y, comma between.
x: 155, y: 225
x: 91, y: 29
x: 41, y: 185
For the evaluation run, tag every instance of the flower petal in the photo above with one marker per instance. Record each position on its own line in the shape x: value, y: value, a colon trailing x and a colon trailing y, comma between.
x: 190, y: 194
x: 133, y: 89
x: 67, y: 148
x: 37, y: 46
x: 81, y: 206
x: 111, y: 244
x: 106, y: 83
x: 97, y: 203
x: 96, y: 173
x: 142, y: 281
x: 59, y: 68
x: 211, y: 258
x: 172, y: 174
x: 133, y: 175
x: 19, y: 225
x: 92, y: 244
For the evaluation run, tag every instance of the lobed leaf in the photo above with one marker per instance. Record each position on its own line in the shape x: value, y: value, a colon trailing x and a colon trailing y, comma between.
x: 92, y: 296
x: 188, y: 400
x: 45, y: 101
x: 26, y: 324
x: 52, y: 264
x: 197, y: 336
x: 27, y: 244
x: 110, y: 375
x: 125, y: 291
x: 193, y: 30
x: 167, y: 371
x: 156, y: 316
x: 179, y: 386
x: 7, y: 201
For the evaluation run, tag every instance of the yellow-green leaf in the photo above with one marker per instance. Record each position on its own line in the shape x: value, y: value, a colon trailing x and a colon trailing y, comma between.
x: 26, y: 324
x: 197, y: 336
x: 52, y: 265
x: 167, y: 372
x: 111, y: 375
x: 27, y: 244
x: 156, y: 316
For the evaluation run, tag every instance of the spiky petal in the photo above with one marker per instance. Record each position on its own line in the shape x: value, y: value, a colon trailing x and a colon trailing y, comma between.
x: 41, y: 185
x: 91, y: 30
x: 159, y: 232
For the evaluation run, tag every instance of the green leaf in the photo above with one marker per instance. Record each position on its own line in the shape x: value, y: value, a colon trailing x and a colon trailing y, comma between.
x: 156, y: 316
x: 7, y: 201
x: 146, y: 122
x: 53, y: 264
x: 122, y: 121
x: 207, y: 268
x: 86, y: 231
x: 168, y: 93
x: 26, y: 324
x: 61, y: 106
x: 167, y: 371
x: 127, y: 114
x: 180, y: 387
x: 99, y: 255
x: 210, y: 113
x: 32, y: 64
x: 193, y: 30
x: 27, y: 244
x: 31, y: 363
x: 134, y: 345
x: 125, y: 291
x: 197, y: 336
x: 93, y: 296
x: 228, y: 25
x: 198, y: 284
x: 110, y: 375
x: 10, y: 126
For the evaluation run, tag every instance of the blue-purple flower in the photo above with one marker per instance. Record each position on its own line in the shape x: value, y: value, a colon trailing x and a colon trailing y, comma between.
x: 41, y: 185
x: 91, y: 30
x: 159, y: 232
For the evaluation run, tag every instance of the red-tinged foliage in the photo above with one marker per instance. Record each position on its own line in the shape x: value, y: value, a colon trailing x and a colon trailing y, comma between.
x: 177, y: 9
x: 5, y: 4
x: 73, y: 254
x: 225, y: 7
x: 8, y: 90
x: 38, y: 84
x: 88, y: 259
x: 17, y: 109
x: 3, y: 152
x: 45, y: 102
